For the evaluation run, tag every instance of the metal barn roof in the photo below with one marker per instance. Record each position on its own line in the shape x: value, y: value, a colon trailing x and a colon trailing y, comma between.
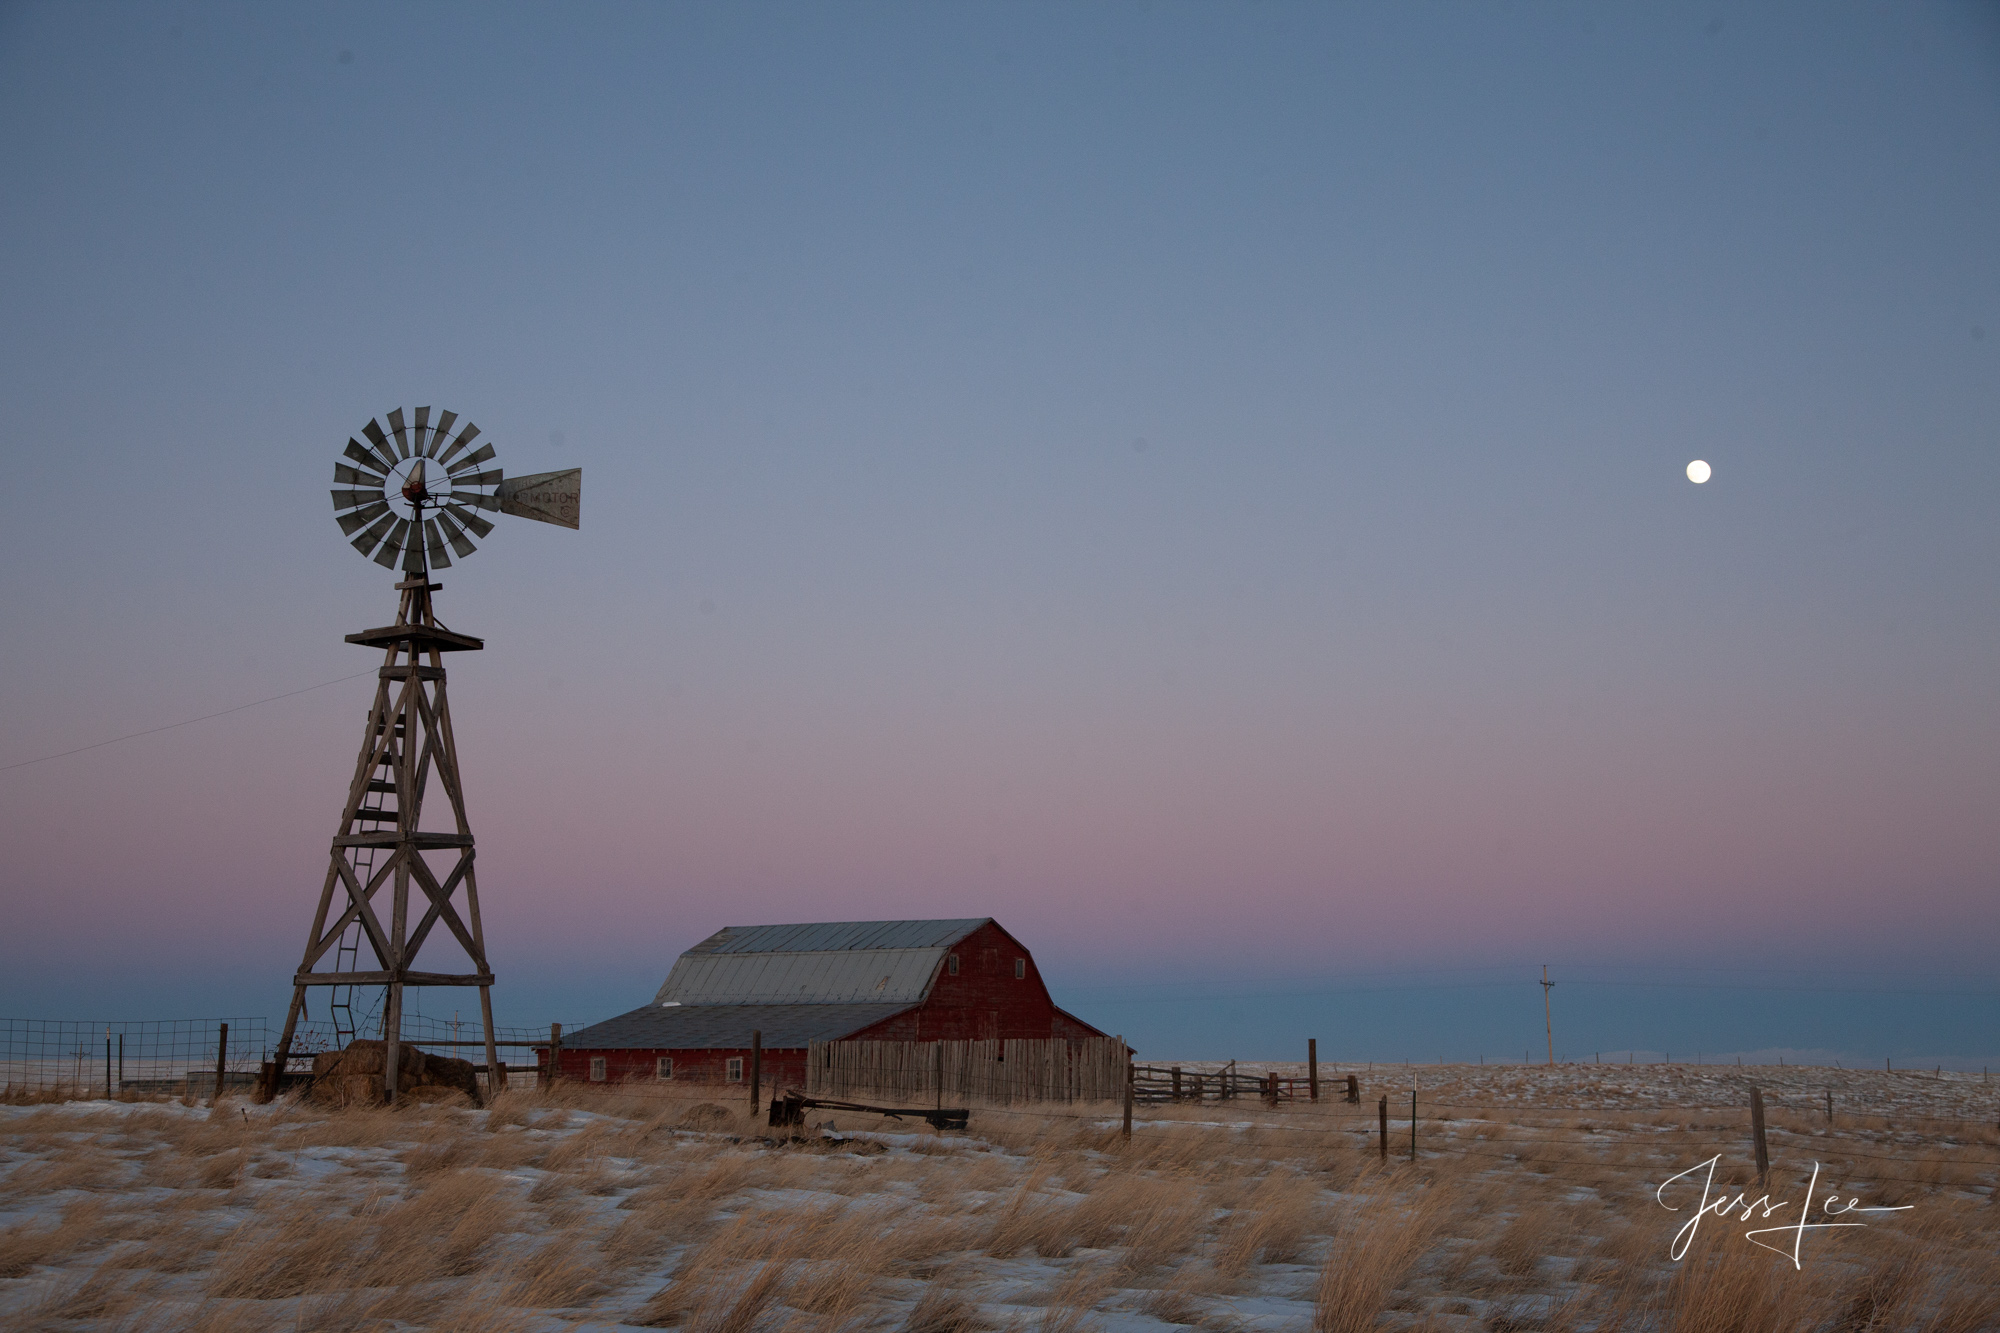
x: 824, y: 936
x: 831, y: 962
x: 727, y: 1026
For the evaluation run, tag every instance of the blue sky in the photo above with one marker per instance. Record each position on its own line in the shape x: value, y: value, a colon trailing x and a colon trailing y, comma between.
x: 1199, y: 483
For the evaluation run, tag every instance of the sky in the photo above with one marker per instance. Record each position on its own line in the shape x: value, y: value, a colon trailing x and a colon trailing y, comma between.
x: 1202, y: 484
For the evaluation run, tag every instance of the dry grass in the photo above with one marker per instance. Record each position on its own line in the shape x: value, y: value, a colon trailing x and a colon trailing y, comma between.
x: 1271, y: 1226
x: 1370, y: 1256
x: 943, y: 1310
x: 364, y: 1220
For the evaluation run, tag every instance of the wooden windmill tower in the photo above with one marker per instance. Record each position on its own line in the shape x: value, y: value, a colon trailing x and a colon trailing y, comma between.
x: 410, y: 498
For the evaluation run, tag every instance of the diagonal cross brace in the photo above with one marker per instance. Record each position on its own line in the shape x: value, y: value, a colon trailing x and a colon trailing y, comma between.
x: 440, y: 896
x: 358, y: 905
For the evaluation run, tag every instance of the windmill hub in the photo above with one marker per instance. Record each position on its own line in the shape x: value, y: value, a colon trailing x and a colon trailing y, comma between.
x: 410, y: 497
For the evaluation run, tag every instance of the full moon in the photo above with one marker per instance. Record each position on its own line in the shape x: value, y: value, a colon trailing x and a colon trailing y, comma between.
x: 1698, y: 472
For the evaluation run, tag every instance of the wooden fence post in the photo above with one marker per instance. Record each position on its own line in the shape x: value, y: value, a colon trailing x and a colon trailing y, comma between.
x: 1312, y: 1068
x: 554, y: 1071
x: 1382, y: 1112
x: 1829, y: 1108
x: 221, y: 1061
x: 1128, y: 1089
x: 1177, y: 1083
x: 756, y: 1067
x: 1353, y: 1090
x: 1413, y: 1122
x: 1757, y: 1135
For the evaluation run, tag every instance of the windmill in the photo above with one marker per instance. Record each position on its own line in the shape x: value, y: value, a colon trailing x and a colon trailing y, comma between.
x: 410, y: 498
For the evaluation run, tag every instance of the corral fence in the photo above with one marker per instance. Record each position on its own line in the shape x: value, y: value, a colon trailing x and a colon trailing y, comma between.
x: 89, y: 1058
x: 1153, y: 1084
x: 100, y: 1058
x: 1088, y: 1070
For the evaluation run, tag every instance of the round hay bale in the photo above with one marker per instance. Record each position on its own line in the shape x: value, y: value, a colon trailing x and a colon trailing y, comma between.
x: 705, y: 1115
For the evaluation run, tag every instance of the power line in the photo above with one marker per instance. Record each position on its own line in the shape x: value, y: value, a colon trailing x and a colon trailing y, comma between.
x: 154, y: 731
x: 1099, y: 995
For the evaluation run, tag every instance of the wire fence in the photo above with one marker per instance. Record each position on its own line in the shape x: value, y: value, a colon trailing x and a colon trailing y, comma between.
x: 91, y: 1058
x: 100, y: 1058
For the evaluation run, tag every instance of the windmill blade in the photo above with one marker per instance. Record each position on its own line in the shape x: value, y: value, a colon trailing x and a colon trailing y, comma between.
x: 349, y: 499
x: 363, y: 457
x: 477, y: 479
x: 478, y: 501
x: 386, y: 557
x: 546, y: 497
x: 381, y: 443
x: 443, y: 430
x: 434, y: 546
x: 423, y: 429
x: 480, y: 527
x: 465, y: 437
x: 354, y: 476
x: 365, y: 543
x: 479, y: 455
x: 361, y: 518
x: 456, y: 536
x: 401, y: 432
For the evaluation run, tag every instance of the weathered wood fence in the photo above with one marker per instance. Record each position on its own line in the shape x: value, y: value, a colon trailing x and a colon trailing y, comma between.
x: 1090, y: 1070
x: 1169, y: 1083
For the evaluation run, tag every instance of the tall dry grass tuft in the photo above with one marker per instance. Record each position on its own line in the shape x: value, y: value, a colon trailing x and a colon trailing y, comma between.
x: 1730, y: 1287
x: 1532, y: 1233
x: 1271, y: 1227
x: 441, y: 1232
x: 1370, y: 1257
x: 563, y: 1273
x: 703, y: 1299
x: 481, y: 1309
x: 84, y: 1225
x: 1071, y: 1302
x: 837, y: 1294
x: 174, y: 1245
x: 1175, y: 1303
x: 70, y: 1169
x: 1030, y: 1219
x: 942, y: 1310
x: 365, y: 1312
x: 740, y: 1315
x: 287, y: 1252
x: 72, y: 1299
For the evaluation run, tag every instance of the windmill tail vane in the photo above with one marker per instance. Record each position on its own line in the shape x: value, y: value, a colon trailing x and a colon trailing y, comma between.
x: 412, y: 496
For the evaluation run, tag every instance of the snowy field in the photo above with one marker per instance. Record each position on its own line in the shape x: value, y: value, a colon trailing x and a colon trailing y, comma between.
x: 1533, y: 1203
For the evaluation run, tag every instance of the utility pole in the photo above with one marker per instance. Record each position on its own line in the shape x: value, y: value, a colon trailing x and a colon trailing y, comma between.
x: 1548, y: 1015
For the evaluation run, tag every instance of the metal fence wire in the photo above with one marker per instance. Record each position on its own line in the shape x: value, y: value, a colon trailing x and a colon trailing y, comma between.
x: 102, y: 1058
x: 79, y: 1059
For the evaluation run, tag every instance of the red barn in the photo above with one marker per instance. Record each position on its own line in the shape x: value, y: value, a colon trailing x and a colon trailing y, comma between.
x: 829, y: 981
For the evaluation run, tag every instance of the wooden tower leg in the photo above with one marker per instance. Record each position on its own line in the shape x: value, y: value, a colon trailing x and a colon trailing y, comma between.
x: 494, y: 1087
x: 392, y: 1041
x: 277, y: 1075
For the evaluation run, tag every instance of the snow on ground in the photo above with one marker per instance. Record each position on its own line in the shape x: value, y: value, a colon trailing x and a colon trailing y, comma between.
x: 1530, y: 1202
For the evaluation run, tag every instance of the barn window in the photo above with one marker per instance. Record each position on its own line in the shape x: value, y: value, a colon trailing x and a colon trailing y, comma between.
x: 596, y: 1069
x: 1020, y: 969
x: 663, y: 1068
x: 735, y: 1069
x: 951, y: 964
